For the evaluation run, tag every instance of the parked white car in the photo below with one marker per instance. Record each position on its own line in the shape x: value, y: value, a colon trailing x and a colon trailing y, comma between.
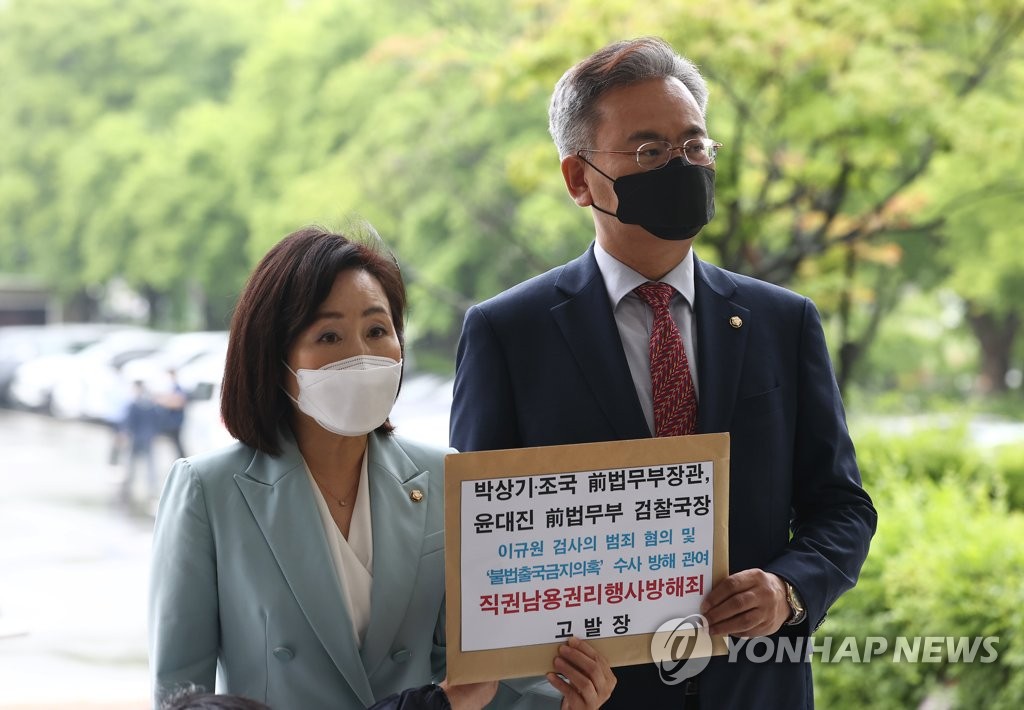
x: 31, y: 382
x: 423, y: 408
x: 203, y: 429
x: 180, y: 349
x: 89, y: 385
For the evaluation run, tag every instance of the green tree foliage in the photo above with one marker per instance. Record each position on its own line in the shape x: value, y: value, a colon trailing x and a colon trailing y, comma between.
x: 945, y: 562
x: 835, y: 116
x: 170, y: 144
x: 92, y: 91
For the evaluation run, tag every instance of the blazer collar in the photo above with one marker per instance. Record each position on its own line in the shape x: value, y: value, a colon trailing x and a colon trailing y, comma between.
x: 588, y: 325
x: 721, y: 345
x: 586, y: 321
x: 281, y: 499
x: 399, y: 526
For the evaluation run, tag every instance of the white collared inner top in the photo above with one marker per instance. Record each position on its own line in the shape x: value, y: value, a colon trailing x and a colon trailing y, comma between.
x: 634, y: 319
x: 352, y: 558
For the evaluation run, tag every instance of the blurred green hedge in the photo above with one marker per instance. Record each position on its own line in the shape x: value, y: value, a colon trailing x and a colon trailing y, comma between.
x: 947, y: 561
x: 1009, y: 461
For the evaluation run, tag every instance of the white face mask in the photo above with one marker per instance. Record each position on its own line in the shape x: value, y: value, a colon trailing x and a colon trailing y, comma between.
x: 351, y: 397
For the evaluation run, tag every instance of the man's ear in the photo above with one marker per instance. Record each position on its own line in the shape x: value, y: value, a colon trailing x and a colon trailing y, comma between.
x: 574, y: 173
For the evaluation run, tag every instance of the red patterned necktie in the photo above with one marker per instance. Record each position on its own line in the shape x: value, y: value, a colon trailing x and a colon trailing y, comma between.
x: 675, y: 401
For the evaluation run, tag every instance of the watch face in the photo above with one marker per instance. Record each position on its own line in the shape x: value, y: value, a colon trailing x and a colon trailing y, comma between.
x: 795, y: 603
x: 796, y: 606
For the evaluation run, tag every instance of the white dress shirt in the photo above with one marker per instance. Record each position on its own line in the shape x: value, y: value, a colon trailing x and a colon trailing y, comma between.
x: 352, y: 558
x: 634, y: 319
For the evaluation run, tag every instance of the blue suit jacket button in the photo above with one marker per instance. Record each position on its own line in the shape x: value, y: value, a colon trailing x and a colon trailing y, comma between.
x: 401, y: 656
x: 284, y: 654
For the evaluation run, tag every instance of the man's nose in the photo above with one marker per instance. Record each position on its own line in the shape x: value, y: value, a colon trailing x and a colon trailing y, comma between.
x: 677, y: 150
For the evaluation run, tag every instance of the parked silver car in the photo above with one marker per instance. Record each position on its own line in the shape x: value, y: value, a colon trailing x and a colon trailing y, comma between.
x: 22, y: 345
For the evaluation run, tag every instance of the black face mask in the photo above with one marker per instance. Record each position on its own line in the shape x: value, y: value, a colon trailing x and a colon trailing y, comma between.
x: 673, y: 202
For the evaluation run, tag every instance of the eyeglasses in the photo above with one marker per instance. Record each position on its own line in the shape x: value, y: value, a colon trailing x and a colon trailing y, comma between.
x: 656, y: 154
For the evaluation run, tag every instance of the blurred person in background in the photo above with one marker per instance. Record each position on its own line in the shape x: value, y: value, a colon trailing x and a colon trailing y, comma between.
x: 304, y: 565
x: 138, y: 429
x: 173, y: 410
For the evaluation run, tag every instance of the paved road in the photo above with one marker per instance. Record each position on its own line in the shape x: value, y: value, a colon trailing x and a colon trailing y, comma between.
x: 73, y: 569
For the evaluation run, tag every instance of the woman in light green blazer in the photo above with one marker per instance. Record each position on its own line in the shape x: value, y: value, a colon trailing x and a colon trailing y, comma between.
x: 242, y: 575
x: 245, y: 580
x: 304, y: 566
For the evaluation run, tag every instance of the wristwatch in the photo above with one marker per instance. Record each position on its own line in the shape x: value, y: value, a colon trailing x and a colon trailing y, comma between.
x: 796, y: 605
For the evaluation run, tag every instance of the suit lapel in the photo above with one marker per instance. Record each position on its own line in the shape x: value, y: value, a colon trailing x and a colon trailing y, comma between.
x: 720, y: 346
x: 588, y: 325
x: 399, y: 525
x: 281, y: 499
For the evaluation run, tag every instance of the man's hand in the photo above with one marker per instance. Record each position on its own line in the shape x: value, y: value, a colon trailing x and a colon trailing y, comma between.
x: 591, y: 680
x: 746, y: 604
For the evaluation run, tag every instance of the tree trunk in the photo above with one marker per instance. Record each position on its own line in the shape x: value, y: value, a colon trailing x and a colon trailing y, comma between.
x: 996, y: 335
x: 849, y: 351
x: 80, y: 307
x: 157, y: 303
x: 217, y: 313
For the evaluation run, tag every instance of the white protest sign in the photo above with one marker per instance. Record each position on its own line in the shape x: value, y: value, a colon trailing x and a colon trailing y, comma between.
x: 588, y: 553
x: 606, y: 542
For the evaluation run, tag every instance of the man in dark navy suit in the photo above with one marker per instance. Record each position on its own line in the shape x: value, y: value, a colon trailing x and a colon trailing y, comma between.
x: 569, y: 357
